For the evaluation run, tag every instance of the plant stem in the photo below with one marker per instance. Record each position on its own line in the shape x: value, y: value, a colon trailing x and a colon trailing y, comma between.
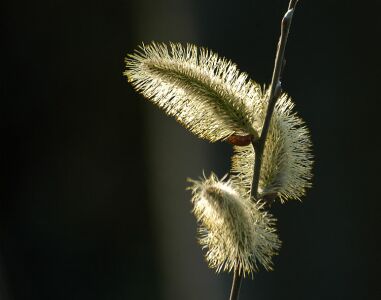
x: 259, y: 144
x: 275, y: 91
x: 237, y: 280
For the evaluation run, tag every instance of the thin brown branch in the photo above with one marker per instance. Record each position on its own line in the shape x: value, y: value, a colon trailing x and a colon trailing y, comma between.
x: 259, y: 144
x: 275, y: 91
x: 237, y: 280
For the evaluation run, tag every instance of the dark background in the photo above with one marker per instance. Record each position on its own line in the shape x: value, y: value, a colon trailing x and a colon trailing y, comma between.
x: 93, y: 201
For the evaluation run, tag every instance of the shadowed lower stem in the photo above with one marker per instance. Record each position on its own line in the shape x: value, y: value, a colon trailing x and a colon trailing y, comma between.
x: 259, y: 144
x: 237, y: 280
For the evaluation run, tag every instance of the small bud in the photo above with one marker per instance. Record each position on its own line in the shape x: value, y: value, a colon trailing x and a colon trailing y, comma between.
x: 239, y: 140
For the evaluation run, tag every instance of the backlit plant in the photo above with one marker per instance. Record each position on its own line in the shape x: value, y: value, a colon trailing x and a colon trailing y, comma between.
x: 272, y: 156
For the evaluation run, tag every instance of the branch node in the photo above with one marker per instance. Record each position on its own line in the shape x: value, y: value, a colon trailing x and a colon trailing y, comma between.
x: 278, y: 90
x: 287, y: 17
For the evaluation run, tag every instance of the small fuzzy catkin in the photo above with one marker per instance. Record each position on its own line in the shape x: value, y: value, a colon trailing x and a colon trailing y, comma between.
x: 286, y: 169
x: 234, y: 230
x: 287, y: 159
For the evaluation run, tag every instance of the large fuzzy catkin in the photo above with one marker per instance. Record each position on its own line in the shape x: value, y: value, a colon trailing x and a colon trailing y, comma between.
x: 204, y: 92
x: 286, y: 169
x: 235, y: 232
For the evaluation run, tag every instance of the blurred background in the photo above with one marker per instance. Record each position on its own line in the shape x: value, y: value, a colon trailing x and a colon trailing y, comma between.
x: 93, y: 202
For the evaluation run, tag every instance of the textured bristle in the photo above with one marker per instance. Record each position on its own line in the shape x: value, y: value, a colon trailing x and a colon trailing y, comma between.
x: 205, y: 93
x: 242, y: 168
x: 234, y: 230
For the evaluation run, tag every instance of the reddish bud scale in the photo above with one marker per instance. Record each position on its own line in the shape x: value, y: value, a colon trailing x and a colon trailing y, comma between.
x: 239, y: 140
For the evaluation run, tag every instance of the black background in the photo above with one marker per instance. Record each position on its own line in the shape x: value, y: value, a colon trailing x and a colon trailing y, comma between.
x: 90, y: 169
